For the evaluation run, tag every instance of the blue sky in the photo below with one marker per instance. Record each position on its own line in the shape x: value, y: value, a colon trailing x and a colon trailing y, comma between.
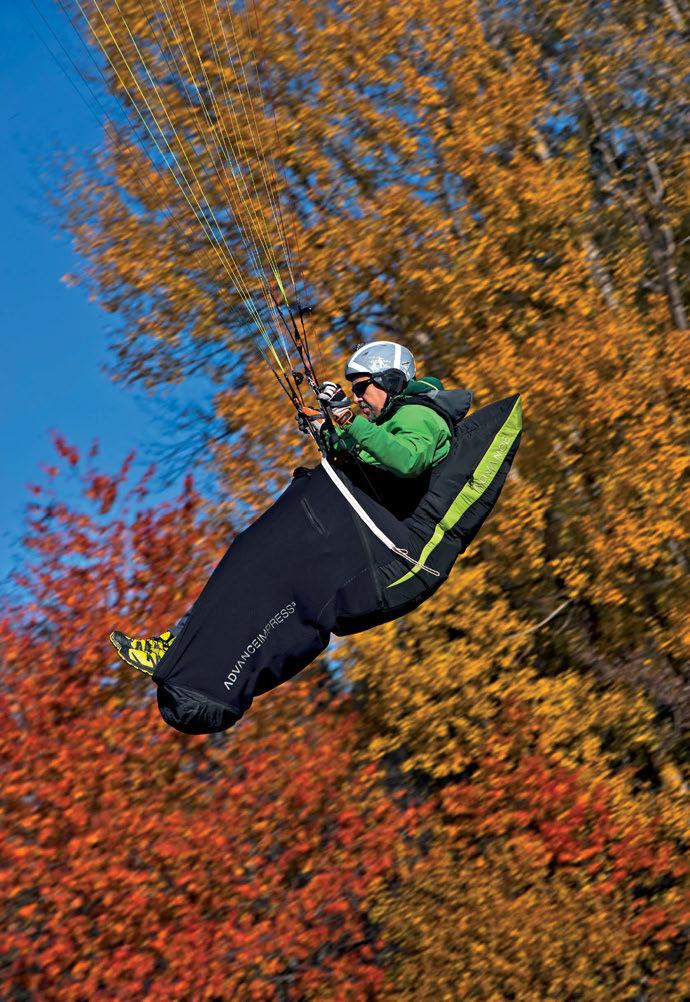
x: 53, y: 339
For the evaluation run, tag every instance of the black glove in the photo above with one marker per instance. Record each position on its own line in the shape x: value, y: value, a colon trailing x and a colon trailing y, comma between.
x: 310, y: 421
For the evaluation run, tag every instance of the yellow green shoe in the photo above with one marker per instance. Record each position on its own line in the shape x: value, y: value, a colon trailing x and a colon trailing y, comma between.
x: 142, y: 653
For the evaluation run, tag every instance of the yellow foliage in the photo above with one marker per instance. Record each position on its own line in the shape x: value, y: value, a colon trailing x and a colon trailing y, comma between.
x: 434, y: 205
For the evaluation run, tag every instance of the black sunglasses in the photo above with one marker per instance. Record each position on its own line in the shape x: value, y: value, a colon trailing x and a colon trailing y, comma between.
x: 360, y: 387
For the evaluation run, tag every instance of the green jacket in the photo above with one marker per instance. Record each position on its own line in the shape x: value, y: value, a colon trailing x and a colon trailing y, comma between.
x: 405, y: 444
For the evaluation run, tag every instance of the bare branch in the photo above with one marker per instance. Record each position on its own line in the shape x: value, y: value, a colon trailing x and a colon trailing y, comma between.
x: 675, y: 14
x: 661, y: 244
x: 600, y: 274
x: 543, y: 622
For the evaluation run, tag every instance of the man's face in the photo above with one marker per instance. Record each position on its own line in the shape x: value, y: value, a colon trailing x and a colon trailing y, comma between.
x: 371, y: 399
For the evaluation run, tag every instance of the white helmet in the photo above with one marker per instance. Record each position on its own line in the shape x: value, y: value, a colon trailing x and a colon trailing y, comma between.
x: 392, y: 361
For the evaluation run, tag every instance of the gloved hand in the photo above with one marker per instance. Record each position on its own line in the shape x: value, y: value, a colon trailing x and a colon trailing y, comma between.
x: 336, y: 400
x: 309, y: 418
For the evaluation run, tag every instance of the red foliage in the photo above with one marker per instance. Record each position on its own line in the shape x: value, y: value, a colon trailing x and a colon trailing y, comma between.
x: 139, y: 863
x: 617, y: 850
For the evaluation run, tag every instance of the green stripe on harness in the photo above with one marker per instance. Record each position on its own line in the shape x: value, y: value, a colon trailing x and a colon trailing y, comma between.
x: 473, y: 490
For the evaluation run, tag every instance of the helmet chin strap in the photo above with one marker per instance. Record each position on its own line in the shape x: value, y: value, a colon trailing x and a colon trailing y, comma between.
x: 390, y: 390
x: 392, y: 384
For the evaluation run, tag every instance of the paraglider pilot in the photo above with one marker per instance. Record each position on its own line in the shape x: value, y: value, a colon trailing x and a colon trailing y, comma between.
x: 361, y: 539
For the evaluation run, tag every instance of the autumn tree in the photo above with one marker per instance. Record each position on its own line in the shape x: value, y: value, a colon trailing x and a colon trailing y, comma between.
x: 616, y: 90
x: 278, y: 861
x: 499, y: 186
x: 544, y: 882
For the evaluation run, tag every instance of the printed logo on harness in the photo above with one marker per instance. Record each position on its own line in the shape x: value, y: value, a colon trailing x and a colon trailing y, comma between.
x: 258, y: 642
x: 492, y: 463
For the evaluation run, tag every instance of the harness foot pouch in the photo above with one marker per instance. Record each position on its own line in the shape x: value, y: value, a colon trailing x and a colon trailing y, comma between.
x: 193, y: 712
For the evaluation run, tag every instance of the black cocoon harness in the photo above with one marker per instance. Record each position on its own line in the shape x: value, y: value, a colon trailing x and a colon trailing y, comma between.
x: 331, y: 558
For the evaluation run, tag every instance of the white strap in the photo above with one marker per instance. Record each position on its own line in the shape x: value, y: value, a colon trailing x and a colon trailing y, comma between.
x: 370, y: 524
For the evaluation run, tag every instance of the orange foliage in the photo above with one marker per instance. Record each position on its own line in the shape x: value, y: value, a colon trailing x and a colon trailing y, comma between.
x: 459, y: 187
x: 542, y: 882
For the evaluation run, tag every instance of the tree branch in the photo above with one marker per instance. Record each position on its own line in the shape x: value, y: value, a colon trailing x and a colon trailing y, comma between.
x: 543, y: 622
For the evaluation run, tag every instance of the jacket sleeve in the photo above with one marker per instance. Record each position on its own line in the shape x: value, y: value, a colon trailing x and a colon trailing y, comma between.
x: 406, y: 445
